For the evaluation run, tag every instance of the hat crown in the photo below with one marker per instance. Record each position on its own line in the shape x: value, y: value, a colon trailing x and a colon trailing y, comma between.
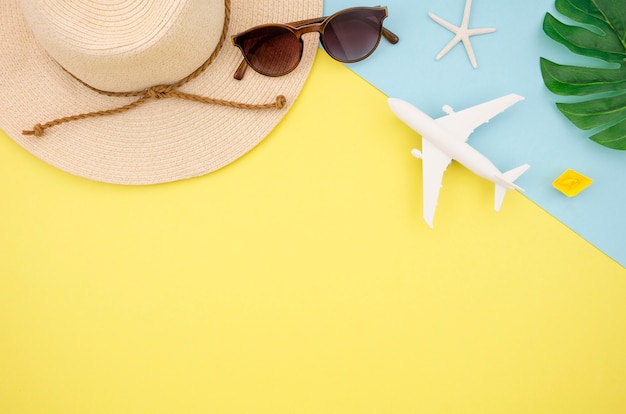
x: 127, y: 45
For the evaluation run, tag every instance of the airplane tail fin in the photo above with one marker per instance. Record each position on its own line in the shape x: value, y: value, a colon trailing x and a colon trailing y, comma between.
x: 504, y: 182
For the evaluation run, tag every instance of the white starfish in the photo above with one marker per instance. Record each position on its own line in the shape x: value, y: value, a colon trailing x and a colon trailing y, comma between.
x: 462, y: 33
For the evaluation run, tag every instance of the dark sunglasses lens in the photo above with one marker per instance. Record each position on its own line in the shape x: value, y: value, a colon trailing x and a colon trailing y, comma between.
x: 272, y: 51
x: 353, y: 35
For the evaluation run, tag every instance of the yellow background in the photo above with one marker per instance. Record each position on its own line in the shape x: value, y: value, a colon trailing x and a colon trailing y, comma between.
x: 301, y: 279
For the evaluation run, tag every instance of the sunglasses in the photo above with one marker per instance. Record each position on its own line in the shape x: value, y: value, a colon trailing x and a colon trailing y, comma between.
x: 348, y: 36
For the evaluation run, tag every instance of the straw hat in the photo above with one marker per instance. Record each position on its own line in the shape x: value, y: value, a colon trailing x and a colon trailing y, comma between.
x: 55, y: 55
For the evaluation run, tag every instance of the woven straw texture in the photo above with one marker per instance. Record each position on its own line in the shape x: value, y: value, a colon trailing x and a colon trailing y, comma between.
x: 162, y: 140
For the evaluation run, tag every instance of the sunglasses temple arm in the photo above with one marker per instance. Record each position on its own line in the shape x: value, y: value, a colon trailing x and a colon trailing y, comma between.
x: 390, y: 36
x: 241, y: 70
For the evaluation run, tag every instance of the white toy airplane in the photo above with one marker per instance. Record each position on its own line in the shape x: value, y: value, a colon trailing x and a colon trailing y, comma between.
x: 444, y: 139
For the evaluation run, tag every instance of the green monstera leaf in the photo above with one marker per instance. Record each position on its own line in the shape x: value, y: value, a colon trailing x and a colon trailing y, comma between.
x: 603, y: 36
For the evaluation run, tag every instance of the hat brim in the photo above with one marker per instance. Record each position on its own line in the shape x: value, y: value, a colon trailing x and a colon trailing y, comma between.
x: 163, y: 140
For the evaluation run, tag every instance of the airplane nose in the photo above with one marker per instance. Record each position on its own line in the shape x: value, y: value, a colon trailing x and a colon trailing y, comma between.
x: 400, y: 107
x: 393, y: 103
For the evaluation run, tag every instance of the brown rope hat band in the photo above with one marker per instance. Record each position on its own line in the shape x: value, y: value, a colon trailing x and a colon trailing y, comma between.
x: 161, y: 92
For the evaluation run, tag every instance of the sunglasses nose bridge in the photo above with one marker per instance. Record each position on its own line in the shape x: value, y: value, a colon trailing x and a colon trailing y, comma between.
x: 309, y: 28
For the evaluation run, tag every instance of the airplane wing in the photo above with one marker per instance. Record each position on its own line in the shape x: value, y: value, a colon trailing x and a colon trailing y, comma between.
x: 464, y: 122
x: 434, y: 164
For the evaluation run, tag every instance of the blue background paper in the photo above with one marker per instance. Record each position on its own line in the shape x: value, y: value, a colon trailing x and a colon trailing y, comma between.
x: 533, y: 131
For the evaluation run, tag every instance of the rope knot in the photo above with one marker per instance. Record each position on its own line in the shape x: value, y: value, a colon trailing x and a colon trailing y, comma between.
x: 281, y: 101
x: 160, y: 91
x: 36, y: 131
